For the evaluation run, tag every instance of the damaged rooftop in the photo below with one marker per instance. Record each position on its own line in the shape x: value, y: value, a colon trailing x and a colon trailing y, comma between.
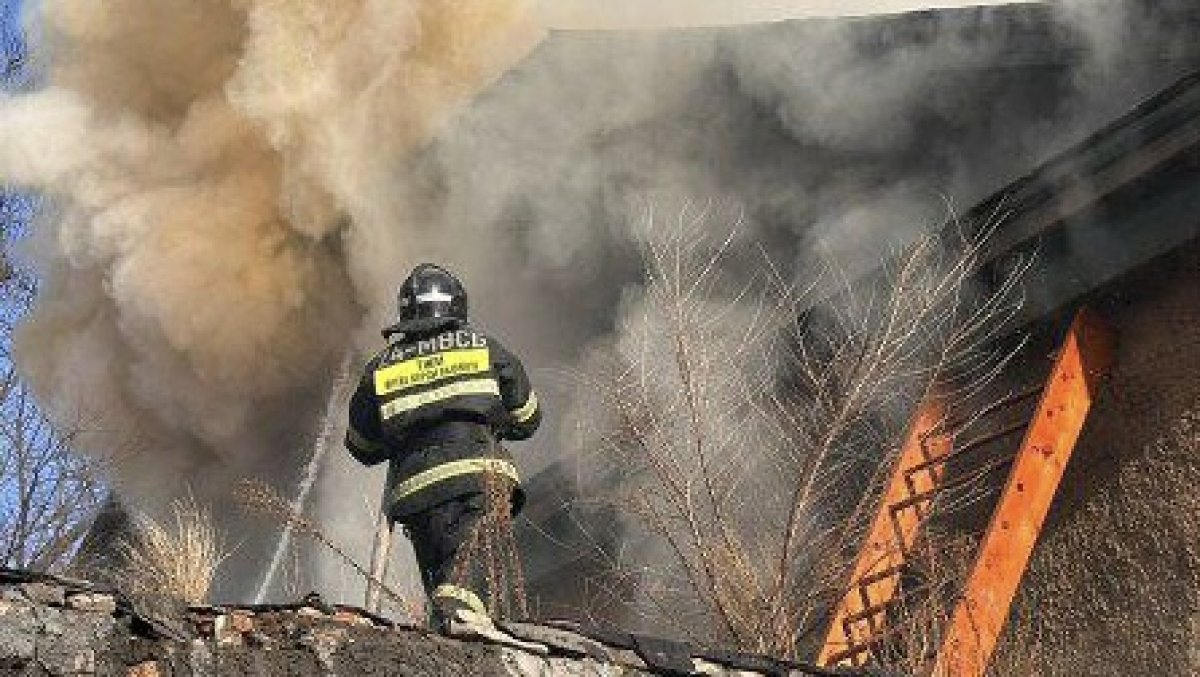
x: 57, y: 626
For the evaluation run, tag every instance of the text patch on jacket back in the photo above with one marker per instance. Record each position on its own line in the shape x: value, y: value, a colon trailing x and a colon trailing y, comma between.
x: 420, y: 371
x: 438, y: 372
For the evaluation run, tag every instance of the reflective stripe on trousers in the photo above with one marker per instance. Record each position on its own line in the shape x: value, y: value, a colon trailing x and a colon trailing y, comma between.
x: 454, y: 592
x: 445, y: 471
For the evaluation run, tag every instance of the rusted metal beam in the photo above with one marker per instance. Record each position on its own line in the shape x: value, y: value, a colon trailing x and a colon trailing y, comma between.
x: 1004, y: 554
x: 876, y: 574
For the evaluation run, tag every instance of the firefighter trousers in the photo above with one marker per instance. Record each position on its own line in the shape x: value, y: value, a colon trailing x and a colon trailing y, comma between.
x: 438, y: 536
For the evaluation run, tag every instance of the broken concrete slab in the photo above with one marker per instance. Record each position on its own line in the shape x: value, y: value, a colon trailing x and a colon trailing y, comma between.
x: 96, y: 632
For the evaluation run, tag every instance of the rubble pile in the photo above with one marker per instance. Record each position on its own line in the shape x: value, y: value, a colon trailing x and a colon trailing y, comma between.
x: 51, y: 625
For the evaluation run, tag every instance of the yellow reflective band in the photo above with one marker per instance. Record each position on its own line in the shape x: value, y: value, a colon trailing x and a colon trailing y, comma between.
x: 527, y: 410
x: 423, y: 370
x: 451, y: 470
x: 462, y: 595
x: 362, y: 443
x: 481, y: 386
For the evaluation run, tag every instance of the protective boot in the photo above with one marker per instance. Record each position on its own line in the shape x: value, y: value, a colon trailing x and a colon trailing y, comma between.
x: 454, y: 609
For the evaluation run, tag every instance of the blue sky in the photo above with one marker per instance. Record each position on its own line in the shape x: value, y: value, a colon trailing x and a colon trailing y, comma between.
x: 10, y: 35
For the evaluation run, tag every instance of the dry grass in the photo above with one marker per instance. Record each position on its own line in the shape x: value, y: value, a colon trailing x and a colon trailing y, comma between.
x: 177, y: 560
x: 741, y: 423
x: 259, y: 498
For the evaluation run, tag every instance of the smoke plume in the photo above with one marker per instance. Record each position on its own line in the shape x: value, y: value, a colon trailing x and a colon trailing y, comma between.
x: 839, y: 138
x: 223, y: 182
x: 638, y: 15
x: 225, y: 209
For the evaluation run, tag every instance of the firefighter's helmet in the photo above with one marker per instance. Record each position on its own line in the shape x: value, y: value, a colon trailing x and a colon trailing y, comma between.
x: 432, y: 292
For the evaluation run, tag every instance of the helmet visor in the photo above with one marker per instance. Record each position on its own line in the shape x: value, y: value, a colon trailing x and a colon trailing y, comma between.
x: 432, y: 303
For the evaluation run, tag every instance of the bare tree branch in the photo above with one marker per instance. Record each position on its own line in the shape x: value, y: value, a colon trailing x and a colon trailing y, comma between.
x: 745, y: 422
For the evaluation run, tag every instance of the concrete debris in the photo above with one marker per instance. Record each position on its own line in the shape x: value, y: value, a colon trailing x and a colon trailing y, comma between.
x: 85, y: 662
x: 560, y: 642
x: 324, y: 644
x: 55, y: 626
x: 521, y: 664
x: 93, y: 603
x: 42, y: 593
x: 469, y: 625
x: 147, y: 669
x: 351, y: 618
x: 241, y: 621
x: 223, y: 634
x: 703, y: 667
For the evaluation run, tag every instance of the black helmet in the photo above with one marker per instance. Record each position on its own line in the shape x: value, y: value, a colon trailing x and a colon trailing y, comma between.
x: 431, y: 292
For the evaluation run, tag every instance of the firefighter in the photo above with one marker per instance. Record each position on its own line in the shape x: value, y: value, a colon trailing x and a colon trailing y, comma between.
x: 434, y: 403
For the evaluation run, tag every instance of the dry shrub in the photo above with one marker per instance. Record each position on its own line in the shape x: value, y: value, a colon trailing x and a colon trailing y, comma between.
x: 177, y: 560
x: 488, y: 562
x: 742, y: 421
x: 260, y: 498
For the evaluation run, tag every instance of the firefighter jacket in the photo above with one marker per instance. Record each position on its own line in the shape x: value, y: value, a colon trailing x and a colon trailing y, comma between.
x: 434, y: 403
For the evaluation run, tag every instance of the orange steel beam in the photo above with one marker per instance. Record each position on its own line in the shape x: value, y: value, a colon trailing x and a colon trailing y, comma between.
x: 860, y: 614
x: 1085, y: 358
